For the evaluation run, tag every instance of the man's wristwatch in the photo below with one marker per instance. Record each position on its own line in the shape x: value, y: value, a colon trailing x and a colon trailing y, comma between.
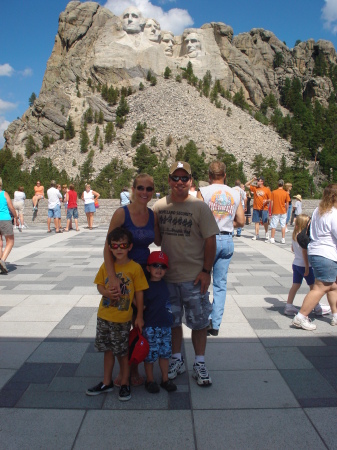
x: 205, y: 270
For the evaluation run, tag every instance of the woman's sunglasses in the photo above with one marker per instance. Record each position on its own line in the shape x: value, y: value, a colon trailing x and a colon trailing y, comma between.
x: 159, y: 266
x: 123, y: 246
x: 184, y: 178
x: 147, y: 189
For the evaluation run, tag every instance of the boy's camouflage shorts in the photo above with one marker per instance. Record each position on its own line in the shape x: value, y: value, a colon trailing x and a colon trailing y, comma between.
x: 112, y: 336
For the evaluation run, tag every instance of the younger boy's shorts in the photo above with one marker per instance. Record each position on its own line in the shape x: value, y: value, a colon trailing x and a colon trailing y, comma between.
x: 159, y: 339
x: 112, y: 336
x: 298, y: 275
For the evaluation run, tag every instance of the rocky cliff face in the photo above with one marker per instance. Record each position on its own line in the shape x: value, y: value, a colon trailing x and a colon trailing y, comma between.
x: 94, y: 43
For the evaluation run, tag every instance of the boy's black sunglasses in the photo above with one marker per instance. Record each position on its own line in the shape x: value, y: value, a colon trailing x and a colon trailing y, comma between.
x: 147, y: 189
x: 184, y: 178
x: 158, y: 266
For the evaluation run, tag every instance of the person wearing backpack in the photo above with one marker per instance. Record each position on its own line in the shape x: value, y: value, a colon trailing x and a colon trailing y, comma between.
x: 322, y: 254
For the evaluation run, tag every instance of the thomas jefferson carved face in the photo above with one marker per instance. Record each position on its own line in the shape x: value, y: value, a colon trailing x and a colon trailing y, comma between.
x: 193, y: 45
x: 168, y: 42
x: 132, y: 19
x: 152, y: 30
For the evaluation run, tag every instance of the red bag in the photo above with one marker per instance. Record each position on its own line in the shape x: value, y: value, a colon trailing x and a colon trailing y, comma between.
x: 138, y: 347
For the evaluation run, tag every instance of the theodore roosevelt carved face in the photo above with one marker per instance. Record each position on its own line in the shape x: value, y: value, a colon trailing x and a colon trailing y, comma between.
x: 168, y: 41
x: 132, y: 19
x: 152, y: 30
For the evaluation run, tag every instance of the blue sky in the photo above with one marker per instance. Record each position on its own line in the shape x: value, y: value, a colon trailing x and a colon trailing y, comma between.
x: 28, y: 29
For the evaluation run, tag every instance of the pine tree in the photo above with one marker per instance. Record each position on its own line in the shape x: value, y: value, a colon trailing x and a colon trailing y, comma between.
x: 32, y: 99
x: 31, y: 147
x: 69, y: 130
x: 45, y: 142
x: 167, y: 73
x: 84, y: 140
x: 109, y: 133
x: 123, y: 107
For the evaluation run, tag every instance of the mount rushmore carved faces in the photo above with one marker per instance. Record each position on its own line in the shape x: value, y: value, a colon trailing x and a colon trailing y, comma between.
x: 168, y: 41
x: 193, y: 45
x: 152, y: 30
x: 133, y: 21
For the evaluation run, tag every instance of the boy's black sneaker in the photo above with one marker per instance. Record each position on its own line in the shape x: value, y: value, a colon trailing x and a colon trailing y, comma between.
x: 100, y: 389
x: 152, y: 387
x: 168, y: 385
x: 124, y: 393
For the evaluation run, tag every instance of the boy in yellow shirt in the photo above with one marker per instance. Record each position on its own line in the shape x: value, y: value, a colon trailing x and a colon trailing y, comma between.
x: 114, y: 316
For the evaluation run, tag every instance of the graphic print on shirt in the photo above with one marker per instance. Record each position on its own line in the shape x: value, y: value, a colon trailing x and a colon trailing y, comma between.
x: 221, y: 204
x: 123, y: 303
x: 175, y: 223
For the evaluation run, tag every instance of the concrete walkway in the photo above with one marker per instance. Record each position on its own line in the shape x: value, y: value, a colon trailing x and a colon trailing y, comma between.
x: 273, y: 386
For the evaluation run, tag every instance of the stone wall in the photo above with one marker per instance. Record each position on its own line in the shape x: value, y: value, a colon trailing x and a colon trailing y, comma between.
x: 105, y: 211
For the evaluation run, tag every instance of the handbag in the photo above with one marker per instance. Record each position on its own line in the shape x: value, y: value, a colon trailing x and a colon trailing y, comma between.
x: 96, y: 204
x: 303, y: 238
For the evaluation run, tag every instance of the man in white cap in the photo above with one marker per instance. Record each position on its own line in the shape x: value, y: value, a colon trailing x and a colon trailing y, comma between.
x: 187, y: 234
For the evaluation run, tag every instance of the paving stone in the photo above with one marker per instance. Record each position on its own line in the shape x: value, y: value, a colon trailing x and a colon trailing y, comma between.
x: 249, y: 429
x: 168, y: 425
x: 288, y: 358
x: 67, y: 370
x: 323, y: 418
x: 60, y: 400
x: 58, y: 352
x: 5, y: 375
x: 39, y: 428
x: 308, y: 384
x: 262, y: 324
x: 14, y: 354
x: 35, y: 373
x: 242, y: 389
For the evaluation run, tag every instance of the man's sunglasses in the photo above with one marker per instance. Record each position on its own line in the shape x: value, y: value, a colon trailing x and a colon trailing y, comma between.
x: 158, y: 266
x: 123, y: 246
x: 184, y: 178
x: 147, y: 189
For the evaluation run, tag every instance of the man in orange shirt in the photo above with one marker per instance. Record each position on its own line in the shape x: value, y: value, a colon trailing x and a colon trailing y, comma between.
x: 262, y: 198
x: 279, y: 208
x: 38, y: 194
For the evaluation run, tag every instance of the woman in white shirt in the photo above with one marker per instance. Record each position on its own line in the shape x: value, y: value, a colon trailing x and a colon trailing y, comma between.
x: 89, y: 197
x: 322, y: 254
x: 19, y: 204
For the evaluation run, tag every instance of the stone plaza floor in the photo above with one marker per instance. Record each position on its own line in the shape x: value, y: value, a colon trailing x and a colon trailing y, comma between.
x: 274, y: 386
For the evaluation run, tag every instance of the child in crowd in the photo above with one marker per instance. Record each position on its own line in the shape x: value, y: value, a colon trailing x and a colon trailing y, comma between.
x: 158, y: 320
x: 297, y: 207
x: 301, y: 269
x: 114, y: 316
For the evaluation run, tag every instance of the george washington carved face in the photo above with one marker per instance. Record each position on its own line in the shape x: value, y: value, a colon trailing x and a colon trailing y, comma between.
x: 132, y: 20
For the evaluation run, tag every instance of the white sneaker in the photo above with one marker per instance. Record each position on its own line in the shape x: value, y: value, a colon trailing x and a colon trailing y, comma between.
x: 290, y: 310
x: 272, y: 240
x: 304, y: 323
x: 200, y: 373
x: 176, y: 367
x: 287, y: 231
x: 321, y: 310
x: 254, y: 238
x: 333, y: 321
x: 283, y: 241
x: 267, y: 236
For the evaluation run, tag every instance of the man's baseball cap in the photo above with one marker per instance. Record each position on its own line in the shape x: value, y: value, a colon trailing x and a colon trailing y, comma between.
x: 158, y: 257
x: 180, y: 165
x: 138, y: 347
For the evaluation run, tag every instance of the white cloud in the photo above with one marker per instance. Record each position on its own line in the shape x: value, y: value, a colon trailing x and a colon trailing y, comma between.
x: 6, y: 70
x: 329, y: 15
x: 3, y: 126
x: 28, y: 72
x: 6, y: 106
x: 175, y: 20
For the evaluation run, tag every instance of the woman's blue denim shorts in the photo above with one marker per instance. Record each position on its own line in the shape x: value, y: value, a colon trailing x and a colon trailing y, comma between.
x: 324, y: 269
x: 89, y: 207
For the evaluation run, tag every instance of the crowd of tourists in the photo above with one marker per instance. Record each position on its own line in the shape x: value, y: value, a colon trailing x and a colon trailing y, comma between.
x: 195, y: 228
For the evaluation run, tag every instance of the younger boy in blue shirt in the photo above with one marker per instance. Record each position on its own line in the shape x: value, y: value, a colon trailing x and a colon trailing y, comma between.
x: 114, y: 316
x: 158, y: 320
